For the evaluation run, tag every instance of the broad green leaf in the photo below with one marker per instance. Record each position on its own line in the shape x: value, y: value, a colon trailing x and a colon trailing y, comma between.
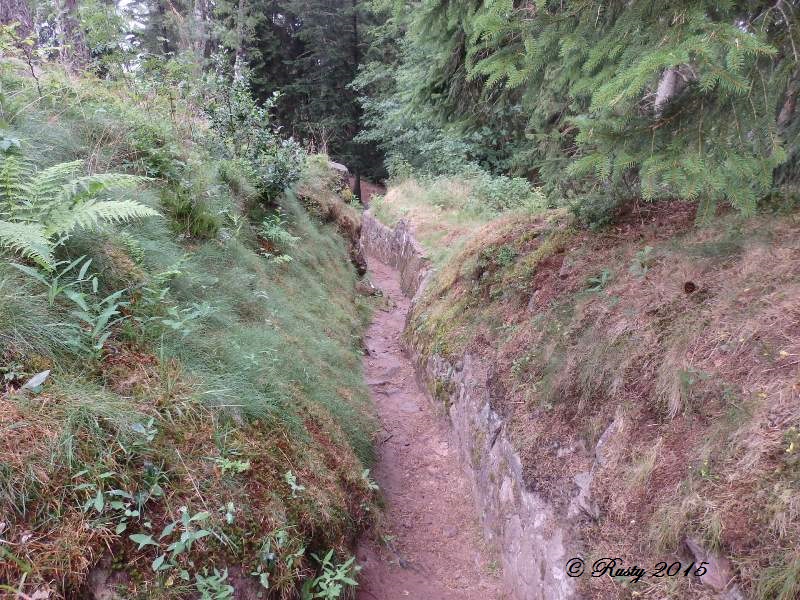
x: 158, y: 562
x: 143, y: 540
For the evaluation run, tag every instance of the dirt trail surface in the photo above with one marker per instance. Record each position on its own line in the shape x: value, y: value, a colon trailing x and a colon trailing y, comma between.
x: 429, y: 546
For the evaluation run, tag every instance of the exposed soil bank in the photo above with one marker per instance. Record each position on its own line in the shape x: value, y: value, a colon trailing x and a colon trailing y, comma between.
x: 530, y: 535
x: 430, y: 545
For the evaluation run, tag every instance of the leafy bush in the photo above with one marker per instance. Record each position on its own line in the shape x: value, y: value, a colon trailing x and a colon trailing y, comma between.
x: 505, y: 193
x: 595, y: 210
x: 279, y: 166
x: 244, y: 127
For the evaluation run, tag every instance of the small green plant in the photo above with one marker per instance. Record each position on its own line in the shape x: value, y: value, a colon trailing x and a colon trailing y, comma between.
x: 277, y: 237
x: 147, y: 430
x: 280, y: 546
x: 214, y: 586
x: 704, y: 470
x: 13, y: 372
x: 505, y: 256
x: 185, y: 320
x: 598, y: 282
x: 184, y: 532
x: 371, y: 485
x: 95, y: 318
x: 333, y: 580
x: 109, y: 506
x: 228, y: 512
x: 98, y: 319
x: 54, y: 280
x: 232, y: 466
x: 291, y: 480
x: 642, y: 262
x: 263, y: 576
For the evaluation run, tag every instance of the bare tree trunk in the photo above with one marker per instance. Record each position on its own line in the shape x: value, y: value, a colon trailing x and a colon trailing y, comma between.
x: 162, y: 17
x: 73, y: 51
x: 356, y: 55
x: 789, y: 104
x: 239, y: 61
x: 202, y: 15
x: 672, y: 83
x: 667, y: 88
x: 357, y: 185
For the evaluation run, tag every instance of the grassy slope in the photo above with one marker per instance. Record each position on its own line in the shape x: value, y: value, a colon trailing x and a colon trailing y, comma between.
x: 441, y: 212
x: 267, y: 374
x: 691, y: 347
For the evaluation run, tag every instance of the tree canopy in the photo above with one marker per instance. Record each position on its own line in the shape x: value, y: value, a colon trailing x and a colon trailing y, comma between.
x: 597, y: 101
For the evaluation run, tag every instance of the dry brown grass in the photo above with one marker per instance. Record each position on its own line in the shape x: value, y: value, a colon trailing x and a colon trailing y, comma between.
x: 696, y: 360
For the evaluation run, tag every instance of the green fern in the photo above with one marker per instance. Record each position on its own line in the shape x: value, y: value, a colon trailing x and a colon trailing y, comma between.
x: 38, y: 207
x: 26, y: 239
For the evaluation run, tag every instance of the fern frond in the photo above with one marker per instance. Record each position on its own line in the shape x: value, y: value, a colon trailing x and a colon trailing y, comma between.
x: 89, y: 186
x: 48, y: 183
x: 92, y: 212
x: 15, y: 174
x: 28, y: 240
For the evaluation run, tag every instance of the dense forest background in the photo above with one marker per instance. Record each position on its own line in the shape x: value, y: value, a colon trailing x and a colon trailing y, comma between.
x: 597, y: 102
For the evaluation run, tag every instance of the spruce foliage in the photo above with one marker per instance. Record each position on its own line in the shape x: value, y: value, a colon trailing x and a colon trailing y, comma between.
x: 601, y: 101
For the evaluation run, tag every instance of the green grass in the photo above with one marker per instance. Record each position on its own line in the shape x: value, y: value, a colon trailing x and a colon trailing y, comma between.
x: 224, y: 355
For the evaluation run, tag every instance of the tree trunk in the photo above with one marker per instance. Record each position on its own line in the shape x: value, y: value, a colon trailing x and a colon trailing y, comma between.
x: 162, y: 17
x: 789, y: 104
x: 356, y: 53
x: 239, y: 61
x: 357, y: 185
x: 203, y: 17
x: 667, y: 88
x: 73, y: 51
x: 672, y: 83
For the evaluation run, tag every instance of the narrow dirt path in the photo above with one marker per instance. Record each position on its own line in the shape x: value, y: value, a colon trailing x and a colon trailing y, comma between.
x: 429, y: 546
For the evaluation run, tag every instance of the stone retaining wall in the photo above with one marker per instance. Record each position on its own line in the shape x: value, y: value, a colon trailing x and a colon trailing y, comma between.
x: 530, y: 535
x: 398, y: 248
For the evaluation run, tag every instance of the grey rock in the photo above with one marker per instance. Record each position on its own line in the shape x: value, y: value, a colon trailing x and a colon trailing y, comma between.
x: 719, y: 575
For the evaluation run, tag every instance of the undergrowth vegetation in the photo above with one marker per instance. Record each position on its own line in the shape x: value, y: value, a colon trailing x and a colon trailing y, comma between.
x: 182, y: 409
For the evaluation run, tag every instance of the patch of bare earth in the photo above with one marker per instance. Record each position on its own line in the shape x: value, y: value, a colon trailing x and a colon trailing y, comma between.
x: 429, y: 545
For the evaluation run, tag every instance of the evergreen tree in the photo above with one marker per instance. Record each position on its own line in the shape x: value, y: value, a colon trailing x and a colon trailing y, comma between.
x: 606, y: 101
x: 309, y: 52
